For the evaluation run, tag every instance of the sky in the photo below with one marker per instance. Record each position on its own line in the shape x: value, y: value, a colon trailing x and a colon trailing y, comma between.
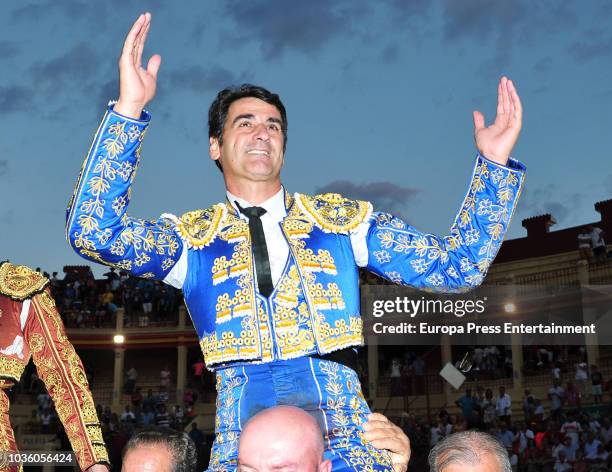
x: 379, y: 98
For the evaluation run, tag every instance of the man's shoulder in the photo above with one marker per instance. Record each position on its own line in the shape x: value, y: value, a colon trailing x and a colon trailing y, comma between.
x: 333, y: 212
x: 198, y: 228
x: 19, y: 282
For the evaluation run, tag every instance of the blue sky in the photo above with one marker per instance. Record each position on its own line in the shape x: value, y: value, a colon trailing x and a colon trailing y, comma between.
x: 379, y: 98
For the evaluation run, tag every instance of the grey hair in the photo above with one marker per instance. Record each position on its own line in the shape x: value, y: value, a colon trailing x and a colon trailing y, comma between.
x: 180, y: 445
x: 467, y: 448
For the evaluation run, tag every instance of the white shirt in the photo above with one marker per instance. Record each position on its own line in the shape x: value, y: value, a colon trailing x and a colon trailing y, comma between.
x: 590, y: 449
x: 596, y: 239
x: 278, y: 248
x: 503, y: 405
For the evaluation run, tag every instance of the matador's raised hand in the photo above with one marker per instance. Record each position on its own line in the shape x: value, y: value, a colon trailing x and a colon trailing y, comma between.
x: 136, y: 84
x: 495, y: 142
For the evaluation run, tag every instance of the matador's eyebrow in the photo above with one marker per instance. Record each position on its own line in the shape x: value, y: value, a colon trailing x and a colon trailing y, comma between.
x: 250, y: 116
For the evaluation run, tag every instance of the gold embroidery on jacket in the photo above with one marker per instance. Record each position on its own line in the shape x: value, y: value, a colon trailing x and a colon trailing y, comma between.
x: 20, y: 282
x: 65, y: 379
x: 11, y: 367
x: 292, y: 323
x: 198, y: 228
x: 334, y: 213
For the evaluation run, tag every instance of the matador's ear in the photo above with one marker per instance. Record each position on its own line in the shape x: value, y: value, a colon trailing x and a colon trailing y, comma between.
x: 214, y: 149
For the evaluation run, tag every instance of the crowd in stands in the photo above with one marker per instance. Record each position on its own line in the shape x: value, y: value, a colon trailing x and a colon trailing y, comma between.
x: 85, y: 302
x: 153, y: 409
x: 564, y: 437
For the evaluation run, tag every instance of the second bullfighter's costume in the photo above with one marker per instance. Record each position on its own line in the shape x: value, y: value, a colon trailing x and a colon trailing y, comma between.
x: 30, y: 326
x: 294, y: 345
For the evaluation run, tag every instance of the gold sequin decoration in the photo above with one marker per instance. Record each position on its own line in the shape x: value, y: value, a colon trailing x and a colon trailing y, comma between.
x: 20, y: 282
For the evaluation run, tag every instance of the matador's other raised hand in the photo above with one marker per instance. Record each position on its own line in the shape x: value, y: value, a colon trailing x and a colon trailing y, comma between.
x: 495, y: 142
x: 136, y: 84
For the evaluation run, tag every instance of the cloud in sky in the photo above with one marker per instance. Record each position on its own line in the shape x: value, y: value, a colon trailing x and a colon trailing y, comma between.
x: 3, y: 167
x: 305, y: 27
x: 591, y: 47
x: 15, y: 98
x: 549, y: 199
x: 544, y: 64
x: 8, y: 49
x: 385, y: 196
x: 76, y: 66
x: 201, y: 79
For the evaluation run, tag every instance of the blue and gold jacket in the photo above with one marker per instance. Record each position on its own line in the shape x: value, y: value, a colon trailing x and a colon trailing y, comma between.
x: 314, y: 307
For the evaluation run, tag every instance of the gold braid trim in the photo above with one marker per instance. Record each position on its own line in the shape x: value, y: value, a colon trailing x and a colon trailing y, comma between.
x: 198, y: 228
x: 11, y: 368
x: 20, y: 282
x: 60, y: 368
x: 333, y: 213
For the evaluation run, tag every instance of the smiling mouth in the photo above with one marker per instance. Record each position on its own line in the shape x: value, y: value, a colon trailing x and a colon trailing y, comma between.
x: 259, y: 152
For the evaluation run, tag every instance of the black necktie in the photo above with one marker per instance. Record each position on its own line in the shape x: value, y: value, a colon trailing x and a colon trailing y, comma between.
x: 258, y: 239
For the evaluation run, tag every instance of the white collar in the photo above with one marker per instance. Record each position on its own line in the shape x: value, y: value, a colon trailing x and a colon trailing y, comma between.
x: 274, y: 206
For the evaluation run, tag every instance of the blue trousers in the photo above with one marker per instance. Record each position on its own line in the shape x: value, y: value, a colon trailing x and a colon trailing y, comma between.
x: 329, y: 391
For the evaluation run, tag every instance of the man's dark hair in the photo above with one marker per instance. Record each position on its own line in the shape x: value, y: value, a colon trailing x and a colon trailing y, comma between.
x: 217, y: 113
x: 180, y: 445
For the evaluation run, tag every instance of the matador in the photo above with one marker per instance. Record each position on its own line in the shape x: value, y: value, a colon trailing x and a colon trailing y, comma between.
x: 271, y: 278
x: 31, y: 327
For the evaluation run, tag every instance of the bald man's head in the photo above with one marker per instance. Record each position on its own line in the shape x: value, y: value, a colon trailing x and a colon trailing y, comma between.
x: 283, y: 438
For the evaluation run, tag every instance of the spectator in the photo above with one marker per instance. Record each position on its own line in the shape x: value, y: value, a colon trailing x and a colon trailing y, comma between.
x: 528, y: 405
x: 488, y: 408
x: 162, y: 419
x: 45, y: 420
x: 198, y: 438
x: 198, y: 369
x: 136, y: 398
x: 162, y: 396
x: 572, y: 429
x: 581, y: 378
x: 150, y: 401
x: 597, y: 242
x: 562, y: 464
x: 522, y: 438
x: 556, y: 394
x: 148, y: 417
x: 164, y: 377
x: 437, y: 432
x: 469, y: 450
x: 596, y: 385
x: 505, y: 436
x: 580, y: 465
x: 538, y: 412
x: 503, y: 405
x: 572, y: 396
x: 189, y: 397
x: 591, y: 446
x: 179, y: 416
x: 131, y: 378
x: 396, y: 377
x: 584, y: 244
x: 556, y: 372
x: 159, y: 450
x: 128, y: 415
x: 468, y: 405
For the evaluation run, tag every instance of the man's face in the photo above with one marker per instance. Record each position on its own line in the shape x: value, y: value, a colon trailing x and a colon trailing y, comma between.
x: 258, y: 457
x: 267, y: 451
x: 252, y: 148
